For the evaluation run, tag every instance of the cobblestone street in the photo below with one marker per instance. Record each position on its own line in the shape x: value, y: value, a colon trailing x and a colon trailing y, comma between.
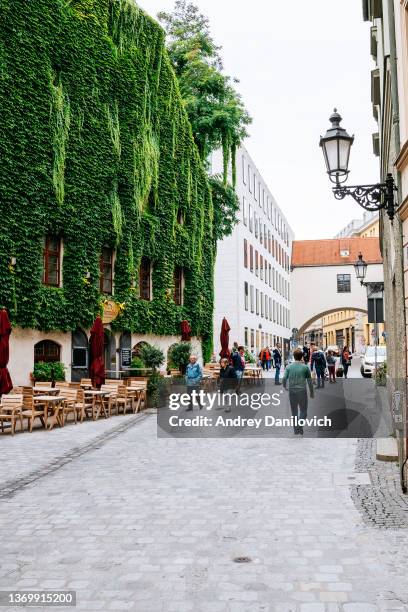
x: 132, y: 522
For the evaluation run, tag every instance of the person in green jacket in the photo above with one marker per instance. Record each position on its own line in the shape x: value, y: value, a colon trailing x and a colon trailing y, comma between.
x: 298, y: 376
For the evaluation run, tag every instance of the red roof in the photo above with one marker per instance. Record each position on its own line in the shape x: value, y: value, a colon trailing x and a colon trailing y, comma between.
x: 335, y: 252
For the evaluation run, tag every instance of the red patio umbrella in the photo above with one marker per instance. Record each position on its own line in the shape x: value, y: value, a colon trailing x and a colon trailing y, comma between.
x: 97, y: 368
x: 5, y: 330
x: 224, y: 339
x: 185, y: 331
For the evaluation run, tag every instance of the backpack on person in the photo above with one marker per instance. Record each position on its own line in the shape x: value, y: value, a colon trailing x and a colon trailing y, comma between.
x: 319, y: 359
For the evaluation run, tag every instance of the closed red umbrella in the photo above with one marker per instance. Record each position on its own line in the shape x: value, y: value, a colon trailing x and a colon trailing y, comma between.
x: 5, y: 330
x: 224, y: 339
x: 185, y: 331
x: 97, y: 368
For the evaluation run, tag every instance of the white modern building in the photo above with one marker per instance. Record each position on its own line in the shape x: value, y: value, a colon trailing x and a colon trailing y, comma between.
x: 252, y: 272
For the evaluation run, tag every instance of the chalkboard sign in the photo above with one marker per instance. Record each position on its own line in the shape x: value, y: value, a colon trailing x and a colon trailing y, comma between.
x: 126, y: 357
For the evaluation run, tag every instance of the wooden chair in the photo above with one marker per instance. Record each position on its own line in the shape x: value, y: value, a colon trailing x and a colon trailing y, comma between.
x: 69, y: 405
x: 10, y: 411
x: 31, y: 410
x: 16, y: 390
x: 84, y: 406
x: 110, y: 401
x: 45, y: 384
x: 86, y: 382
x: 124, y: 400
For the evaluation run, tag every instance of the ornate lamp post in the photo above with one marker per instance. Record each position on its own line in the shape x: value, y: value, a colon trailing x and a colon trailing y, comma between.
x: 336, y: 145
x: 360, y: 268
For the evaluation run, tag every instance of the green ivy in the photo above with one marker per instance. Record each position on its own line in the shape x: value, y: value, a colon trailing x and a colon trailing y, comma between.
x: 96, y: 146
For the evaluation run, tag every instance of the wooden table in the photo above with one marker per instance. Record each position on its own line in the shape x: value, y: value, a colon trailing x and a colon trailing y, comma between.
x: 53, y: 401
x: 46, y: 390
x: 137, y: 393
x: 97, y: 402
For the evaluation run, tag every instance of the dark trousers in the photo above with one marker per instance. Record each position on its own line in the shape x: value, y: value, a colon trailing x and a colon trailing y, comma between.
x: 320, y: 376
x: 190, y: 391
x: 345, y: 367
x: 277, y: 372
x: 332, y: 372
x: 298, y: 405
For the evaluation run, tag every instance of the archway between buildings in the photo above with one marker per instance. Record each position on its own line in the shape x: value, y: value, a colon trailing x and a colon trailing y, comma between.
x: 352, y: 335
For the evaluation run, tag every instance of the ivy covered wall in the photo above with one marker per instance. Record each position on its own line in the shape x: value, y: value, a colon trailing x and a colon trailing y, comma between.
x: 95, y: 146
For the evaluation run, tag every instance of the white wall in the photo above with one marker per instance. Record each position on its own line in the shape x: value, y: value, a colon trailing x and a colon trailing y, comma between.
x: 230, y: 274
x: 314, y: 291
x: 22, y: 342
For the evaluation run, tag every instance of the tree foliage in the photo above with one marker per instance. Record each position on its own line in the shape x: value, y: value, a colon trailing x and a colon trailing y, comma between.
x: 215, y: 109
x: 226, y: 206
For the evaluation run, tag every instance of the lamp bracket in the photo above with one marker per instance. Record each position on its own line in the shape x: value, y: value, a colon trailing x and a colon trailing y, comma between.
x: 371, y: 197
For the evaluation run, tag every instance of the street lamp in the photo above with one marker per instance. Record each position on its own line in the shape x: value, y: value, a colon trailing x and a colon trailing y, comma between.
x: 336, y: 145
x: 360, y: 268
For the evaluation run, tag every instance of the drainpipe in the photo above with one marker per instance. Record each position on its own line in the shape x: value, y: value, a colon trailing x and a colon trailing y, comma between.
x: 394, y: 79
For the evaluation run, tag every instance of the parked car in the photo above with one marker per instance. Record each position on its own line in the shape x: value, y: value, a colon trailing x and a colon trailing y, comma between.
x: 368, y: 359
x: 334, y: 348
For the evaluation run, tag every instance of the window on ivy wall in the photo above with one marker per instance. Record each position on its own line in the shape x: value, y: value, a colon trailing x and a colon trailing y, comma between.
x: 47, y: 351
x: 106, y: 271
x: 145, y: 279
x: 51, y: 261
x: 179, y: 286
x: 180, y: 217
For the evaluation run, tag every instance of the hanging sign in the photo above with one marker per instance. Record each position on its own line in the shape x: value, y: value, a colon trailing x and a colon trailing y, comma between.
x: 110, y: 311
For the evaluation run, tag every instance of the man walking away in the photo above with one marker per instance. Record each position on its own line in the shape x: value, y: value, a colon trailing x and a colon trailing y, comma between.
x: 298, y: 375
x: 238, y: 363
x: 194, y: 375
x: 277, y: 358
x: 319, y: 363
x: 306, y: 354
x: 228, y: 379
x: 331, y: 364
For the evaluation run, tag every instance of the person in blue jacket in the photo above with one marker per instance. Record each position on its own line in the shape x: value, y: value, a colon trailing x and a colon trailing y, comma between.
x: 193, y: 377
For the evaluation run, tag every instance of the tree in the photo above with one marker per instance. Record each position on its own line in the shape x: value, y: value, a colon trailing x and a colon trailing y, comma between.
x: 226, y: 206
x: 216, y: 111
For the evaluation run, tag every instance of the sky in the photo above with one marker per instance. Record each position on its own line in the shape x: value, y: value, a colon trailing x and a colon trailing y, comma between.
x: 296, y: 61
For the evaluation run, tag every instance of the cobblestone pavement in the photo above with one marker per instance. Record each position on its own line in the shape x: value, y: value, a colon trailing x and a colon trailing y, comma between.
x: 132, y: 522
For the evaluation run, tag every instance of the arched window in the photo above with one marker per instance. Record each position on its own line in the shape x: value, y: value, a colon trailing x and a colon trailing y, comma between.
x: 137, y: 347
x: 47, y: 351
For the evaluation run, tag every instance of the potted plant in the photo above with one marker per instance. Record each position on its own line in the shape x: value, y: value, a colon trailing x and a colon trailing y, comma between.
x: 153, y: 358
x: 179, y: 355
x: 52, y: 371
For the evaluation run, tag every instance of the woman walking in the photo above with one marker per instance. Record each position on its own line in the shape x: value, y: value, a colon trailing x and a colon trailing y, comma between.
x: 346, y: 360
x: 331, y: 365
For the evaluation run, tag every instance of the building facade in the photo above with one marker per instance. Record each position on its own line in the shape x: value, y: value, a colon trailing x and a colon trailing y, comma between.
x: 345, y: 326
x: 252, y: 271
x: 388, y: 43
x: 325, y: 287
x: 106, y: 208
